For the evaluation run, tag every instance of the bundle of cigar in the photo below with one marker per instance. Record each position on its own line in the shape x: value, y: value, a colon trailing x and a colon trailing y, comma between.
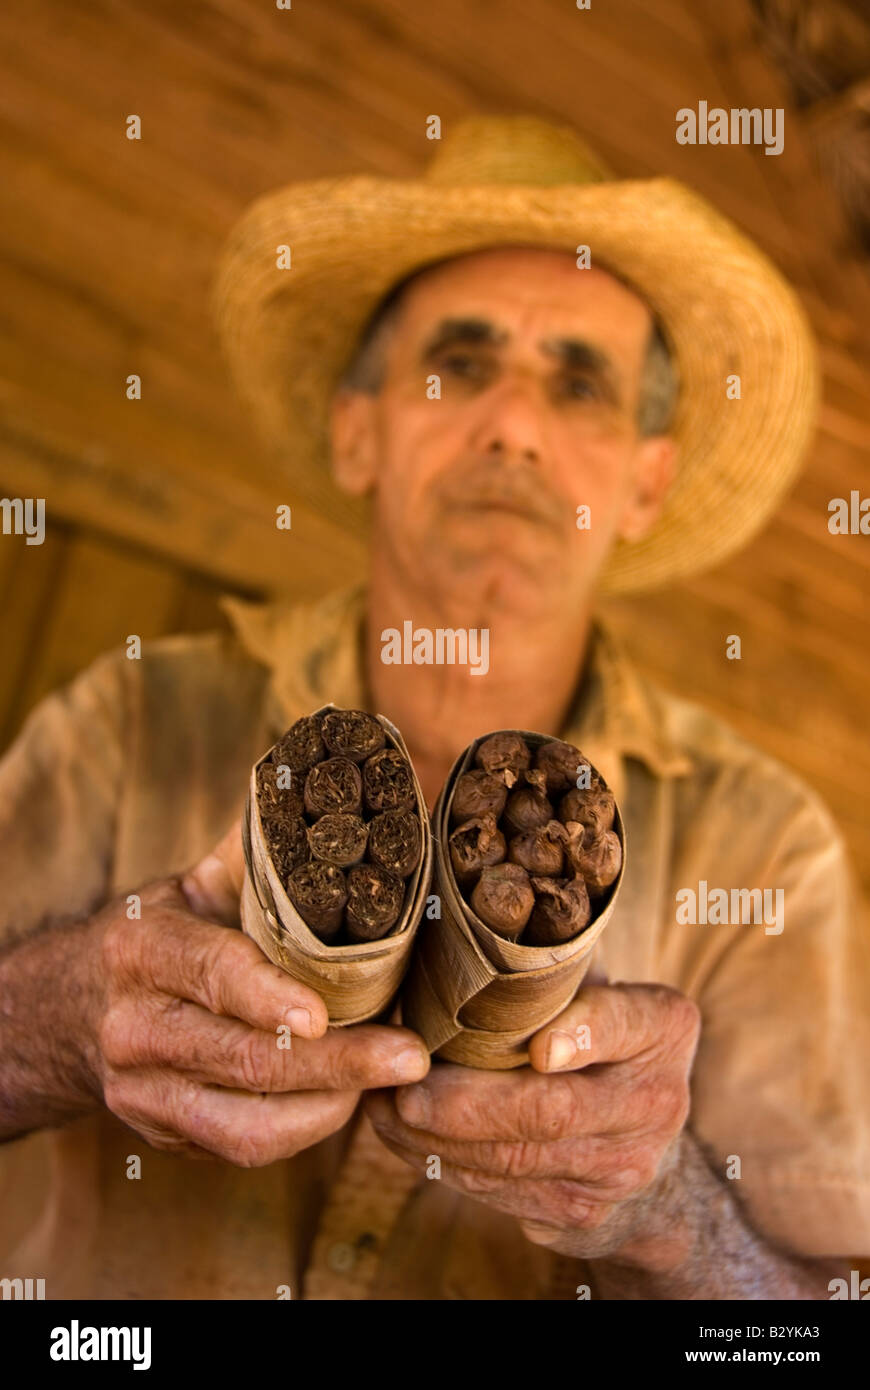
x: 341, y: 819
x: 533, y: 849
x: 529, y: 857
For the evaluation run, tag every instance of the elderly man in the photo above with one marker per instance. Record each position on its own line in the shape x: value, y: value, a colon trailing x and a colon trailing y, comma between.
x: 520, y: 374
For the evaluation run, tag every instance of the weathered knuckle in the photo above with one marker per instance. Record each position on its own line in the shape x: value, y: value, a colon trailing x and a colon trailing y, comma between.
x: 165, y: 1142
x: 256, y: 1068
x: 115, y: 1094
x: 674, y: 1105
x: 117, y: 1037
x: 685, y: 1019
x: 597, y: 1213
x: 578, y: 1209
x: 520, y: 1160
x: 229, y: 951
x: 345, y: 1066
x: 645, y: 1105
x: 204, y: 968
x: 249, y: 1151
x: 118, y: 947
x: 551, y: 1107
x: 473, y: 1180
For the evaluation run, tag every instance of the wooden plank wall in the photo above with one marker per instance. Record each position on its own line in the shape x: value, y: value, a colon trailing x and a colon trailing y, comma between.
x: 107, y: 249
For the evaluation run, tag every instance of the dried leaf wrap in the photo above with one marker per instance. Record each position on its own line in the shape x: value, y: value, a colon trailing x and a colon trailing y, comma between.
x: 356, y: 978
x: 474, y: 995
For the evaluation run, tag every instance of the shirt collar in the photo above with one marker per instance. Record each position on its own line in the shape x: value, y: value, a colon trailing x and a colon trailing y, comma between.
x: 315, y: 652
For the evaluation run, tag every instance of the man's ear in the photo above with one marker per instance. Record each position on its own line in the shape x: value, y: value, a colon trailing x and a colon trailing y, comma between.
x: 352, y: 434
x: 654, y: 468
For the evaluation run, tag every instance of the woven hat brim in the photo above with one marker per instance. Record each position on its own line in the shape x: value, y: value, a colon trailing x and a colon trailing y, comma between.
x: 288, y: 333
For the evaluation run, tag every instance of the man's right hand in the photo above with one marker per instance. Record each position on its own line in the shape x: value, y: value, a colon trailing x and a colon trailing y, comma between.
x: 180, y: 1020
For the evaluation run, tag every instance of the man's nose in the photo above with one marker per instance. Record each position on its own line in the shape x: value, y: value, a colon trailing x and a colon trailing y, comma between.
x: 511, y: 426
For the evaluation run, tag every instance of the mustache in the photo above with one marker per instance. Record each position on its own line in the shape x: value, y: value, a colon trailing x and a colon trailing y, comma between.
x: 518, y: 490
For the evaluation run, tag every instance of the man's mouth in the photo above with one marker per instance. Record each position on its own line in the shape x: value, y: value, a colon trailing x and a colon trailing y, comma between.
x: 499, y: 504
x: 509, y: 506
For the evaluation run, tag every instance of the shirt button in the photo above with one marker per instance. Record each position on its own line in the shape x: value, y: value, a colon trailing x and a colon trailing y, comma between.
x: 341, y: 1257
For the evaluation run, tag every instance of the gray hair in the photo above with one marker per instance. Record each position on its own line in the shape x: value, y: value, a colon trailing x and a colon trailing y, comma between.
x: 367, y: 367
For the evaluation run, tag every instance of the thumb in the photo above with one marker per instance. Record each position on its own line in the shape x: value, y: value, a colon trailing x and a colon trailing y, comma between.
x: 213, y: 887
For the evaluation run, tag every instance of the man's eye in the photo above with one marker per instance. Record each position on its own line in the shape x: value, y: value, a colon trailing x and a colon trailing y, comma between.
x: 581, y: 388
x: 463, y: 364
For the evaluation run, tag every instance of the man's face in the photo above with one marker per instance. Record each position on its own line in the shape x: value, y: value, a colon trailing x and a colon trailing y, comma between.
x: 476, y: 493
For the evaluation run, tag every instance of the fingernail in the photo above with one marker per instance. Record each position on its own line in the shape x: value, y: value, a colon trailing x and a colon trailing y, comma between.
x: 561, y: 1049
x: 299, y: 1020
x: 414, y: 1107
x: 410, y: 1065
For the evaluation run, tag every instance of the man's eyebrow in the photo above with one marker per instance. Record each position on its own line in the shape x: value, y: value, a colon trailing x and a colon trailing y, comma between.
x: 578, y: 355
x: 574, y: 352
x: 463, y: 330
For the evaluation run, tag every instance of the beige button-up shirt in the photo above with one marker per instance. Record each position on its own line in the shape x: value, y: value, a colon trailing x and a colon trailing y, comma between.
x: 137, y: 768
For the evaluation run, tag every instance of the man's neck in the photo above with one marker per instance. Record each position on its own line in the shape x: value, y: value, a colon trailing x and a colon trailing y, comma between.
x: 534, y: 670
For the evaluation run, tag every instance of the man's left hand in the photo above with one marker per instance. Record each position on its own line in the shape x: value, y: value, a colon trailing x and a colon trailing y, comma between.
x: 577, y: 1146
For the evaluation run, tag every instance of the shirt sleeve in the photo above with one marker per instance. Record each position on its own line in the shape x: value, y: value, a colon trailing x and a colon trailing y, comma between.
x: 60, y: 787
x: 781, y: 1082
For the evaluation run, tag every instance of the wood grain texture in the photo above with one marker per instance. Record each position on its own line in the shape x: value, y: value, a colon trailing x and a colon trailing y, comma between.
x: 107, y: 251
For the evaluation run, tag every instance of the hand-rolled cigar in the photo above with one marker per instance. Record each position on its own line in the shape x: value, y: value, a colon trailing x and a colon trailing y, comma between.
x: 560, y: 763
x: 338, y: 838
x: 503, y: 753
x: 318, y: 891
x: 503, y: 899
x: 387, y: 782
x: 351, y: 733
x: 275, y: 800
x: 374, y: 902
x: 598, y: 860
x: 395, y: 841
x: 333, y: 785
x: 302, y: 745
x: 476, y: 845
x: 528, y: 806
x: 593, y: 807
x: 476, y: 793
x: 561, y: 911
x: 540, y: 851
x: 287, y: 841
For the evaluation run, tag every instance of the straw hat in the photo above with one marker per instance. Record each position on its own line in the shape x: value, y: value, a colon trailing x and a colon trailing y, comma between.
x: 516, y: 180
